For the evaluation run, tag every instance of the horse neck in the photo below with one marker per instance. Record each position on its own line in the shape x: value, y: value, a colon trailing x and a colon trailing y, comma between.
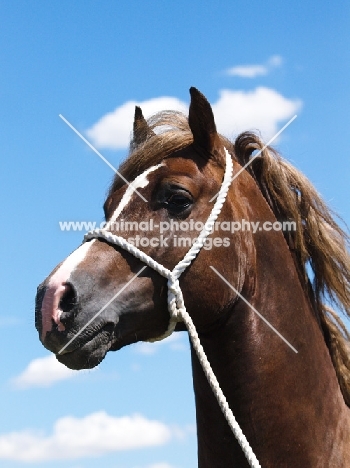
x: 287, y: 404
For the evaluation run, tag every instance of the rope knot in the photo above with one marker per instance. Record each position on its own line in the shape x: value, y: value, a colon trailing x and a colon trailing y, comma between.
x: 173, y: 285
x: 174, y: 293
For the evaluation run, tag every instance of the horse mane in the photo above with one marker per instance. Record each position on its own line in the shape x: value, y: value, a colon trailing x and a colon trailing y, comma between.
x: 318, y: 243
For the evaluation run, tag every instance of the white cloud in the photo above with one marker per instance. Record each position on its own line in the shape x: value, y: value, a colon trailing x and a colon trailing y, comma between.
x: 93, y: 435
x: 113, y: 130
x: 159, y: 465
x: 6, y: 321
x: 248, y: 71
x: 43, y: 372
x: 175, y: 342
x: 252, y: 71
x: 275, y: 61
x: 262, y: 109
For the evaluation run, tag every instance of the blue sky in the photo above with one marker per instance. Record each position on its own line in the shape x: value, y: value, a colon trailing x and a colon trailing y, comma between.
x: 87, y: 59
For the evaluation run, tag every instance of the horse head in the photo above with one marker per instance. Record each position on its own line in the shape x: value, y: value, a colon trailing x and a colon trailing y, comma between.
x: 95, y: 300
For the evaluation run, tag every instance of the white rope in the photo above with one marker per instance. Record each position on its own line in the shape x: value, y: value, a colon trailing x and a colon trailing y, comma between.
x: 176, y: 303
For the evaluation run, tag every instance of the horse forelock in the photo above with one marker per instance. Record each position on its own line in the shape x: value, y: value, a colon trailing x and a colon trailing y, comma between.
x: 169, y: 133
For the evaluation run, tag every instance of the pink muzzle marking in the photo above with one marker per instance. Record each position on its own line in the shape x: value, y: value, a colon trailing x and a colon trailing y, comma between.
x: 50, y: 308
x: 57, y: 287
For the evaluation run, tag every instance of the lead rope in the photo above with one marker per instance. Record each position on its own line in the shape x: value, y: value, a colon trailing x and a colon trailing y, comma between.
x: 176, y: 303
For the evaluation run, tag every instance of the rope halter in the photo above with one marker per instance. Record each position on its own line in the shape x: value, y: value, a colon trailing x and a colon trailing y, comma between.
x: 176, y: 305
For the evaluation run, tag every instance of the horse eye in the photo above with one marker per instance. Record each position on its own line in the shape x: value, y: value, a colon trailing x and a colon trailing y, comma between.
x: 178, y: 202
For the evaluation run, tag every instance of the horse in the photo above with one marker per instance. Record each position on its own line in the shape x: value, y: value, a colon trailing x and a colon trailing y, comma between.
x: 290, y: 396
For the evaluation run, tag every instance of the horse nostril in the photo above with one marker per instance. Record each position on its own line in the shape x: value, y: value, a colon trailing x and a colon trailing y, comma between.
x: 69, y: 299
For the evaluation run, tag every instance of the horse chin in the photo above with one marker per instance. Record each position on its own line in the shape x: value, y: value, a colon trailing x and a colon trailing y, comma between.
x: 89, y: 354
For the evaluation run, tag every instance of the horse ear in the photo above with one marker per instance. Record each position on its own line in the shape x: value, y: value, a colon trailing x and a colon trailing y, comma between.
x: 201, y: 121
x: 141, y: 129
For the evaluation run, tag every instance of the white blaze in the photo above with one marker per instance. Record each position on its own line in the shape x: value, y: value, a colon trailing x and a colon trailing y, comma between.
x: 141, y: 181
x: 56, y: 286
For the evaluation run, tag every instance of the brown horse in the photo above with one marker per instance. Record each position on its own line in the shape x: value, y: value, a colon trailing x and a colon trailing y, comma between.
x: 292, y: 407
